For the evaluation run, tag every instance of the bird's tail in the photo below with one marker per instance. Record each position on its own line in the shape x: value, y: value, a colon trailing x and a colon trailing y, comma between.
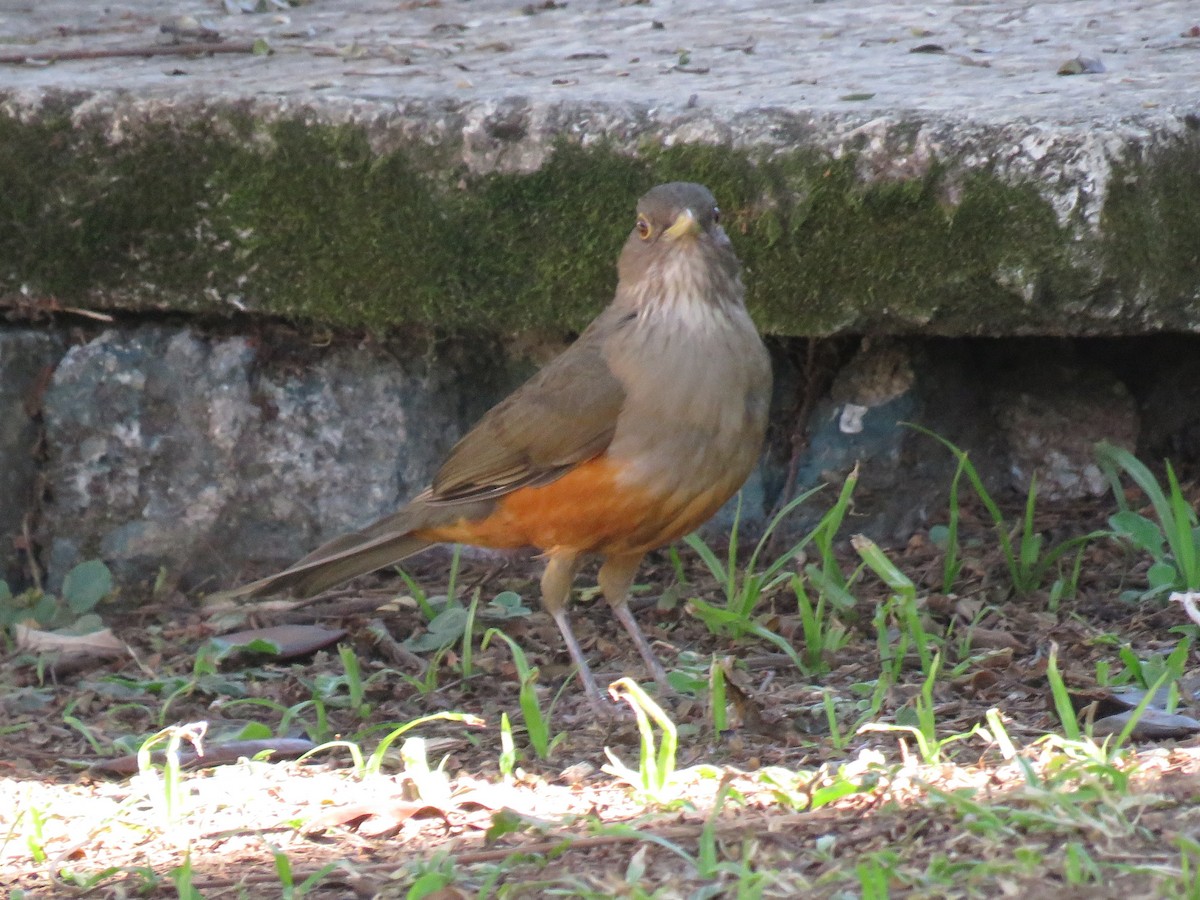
x: 381, y: 544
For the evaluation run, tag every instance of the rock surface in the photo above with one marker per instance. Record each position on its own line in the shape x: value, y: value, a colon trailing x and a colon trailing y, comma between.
x: 202, y: 454
x: 220, y: 456
x: 996, y: 61
x: 1052, y: 415
x: 27, y: 357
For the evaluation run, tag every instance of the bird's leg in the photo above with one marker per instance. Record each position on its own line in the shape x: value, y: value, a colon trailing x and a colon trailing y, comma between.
x: 556, y: 591
x: 616, y: 576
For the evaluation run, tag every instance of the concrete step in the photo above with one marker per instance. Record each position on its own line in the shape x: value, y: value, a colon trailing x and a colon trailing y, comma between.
x: 884, y: 166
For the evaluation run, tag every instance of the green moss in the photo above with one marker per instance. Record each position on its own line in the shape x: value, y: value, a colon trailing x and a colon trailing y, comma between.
x: 1151, y: 224
x: 541, y: 249
x: 826, y: 251
x: 306, y: 220
x: 326, y: 231
x: 77, y: 213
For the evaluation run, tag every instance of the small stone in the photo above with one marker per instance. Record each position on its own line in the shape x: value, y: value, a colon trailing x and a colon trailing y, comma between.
x: 1053, y: 415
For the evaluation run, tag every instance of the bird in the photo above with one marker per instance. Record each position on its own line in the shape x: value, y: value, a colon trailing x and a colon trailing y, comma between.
x: 631, y: 438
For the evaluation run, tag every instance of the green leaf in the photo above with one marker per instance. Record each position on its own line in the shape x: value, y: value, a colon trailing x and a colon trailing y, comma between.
x: 1110, y: 456
x: 1132, y: 663
x: 506, y: 605
x: 86, y: 585
x: 537, y: 728
x: 254, y: 731
x: 505, y: 821
x: 716, y: 568
x: 45, y: 609
x: 1062, y: 698
x: 537, y: 725
x: 508, y: 751
x: 831, y: 792
x: 1162, y: 575
x: 255, y: 645
x: 834, y: 591
x: 445, y: 628
x: 89, y: 624
x: 939, y: 536
x: 1142, y: 532
x: 717, y: 698
x: 687, y: 683
x: 283, y: 868
x: 877, y: 561
x: 1180, y: 535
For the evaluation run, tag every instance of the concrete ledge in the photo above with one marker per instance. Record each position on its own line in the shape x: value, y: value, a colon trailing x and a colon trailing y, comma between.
x: 390, y: 167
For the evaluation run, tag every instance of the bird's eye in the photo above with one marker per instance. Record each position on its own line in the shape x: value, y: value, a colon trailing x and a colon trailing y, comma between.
x: 643, y: 227
x: 716, y: 215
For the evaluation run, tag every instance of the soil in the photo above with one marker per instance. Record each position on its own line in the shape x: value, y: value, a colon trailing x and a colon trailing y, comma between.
x: 747, y: 795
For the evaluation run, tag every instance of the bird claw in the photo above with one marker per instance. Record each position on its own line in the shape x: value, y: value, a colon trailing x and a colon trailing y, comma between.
x: 614, y: 707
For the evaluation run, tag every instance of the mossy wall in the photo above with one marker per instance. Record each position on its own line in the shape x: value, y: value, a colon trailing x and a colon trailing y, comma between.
x: 307, y: 220
x: 1151, y: 226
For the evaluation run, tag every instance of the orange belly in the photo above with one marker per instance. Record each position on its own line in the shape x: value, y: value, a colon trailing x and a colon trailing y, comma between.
x: 585, y: 511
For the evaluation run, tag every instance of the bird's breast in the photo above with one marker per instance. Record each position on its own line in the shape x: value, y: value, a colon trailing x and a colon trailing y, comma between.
x: 697, y: 382
x: 689, y: 431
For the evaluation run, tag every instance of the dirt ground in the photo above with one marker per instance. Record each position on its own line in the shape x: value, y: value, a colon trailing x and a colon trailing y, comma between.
x: 774, y: 804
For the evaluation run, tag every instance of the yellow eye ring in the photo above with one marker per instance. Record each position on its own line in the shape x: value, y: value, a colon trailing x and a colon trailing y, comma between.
x: 643, y: 228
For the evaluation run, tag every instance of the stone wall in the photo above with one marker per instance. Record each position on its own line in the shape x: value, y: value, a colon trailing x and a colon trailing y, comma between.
x: 215, y: 454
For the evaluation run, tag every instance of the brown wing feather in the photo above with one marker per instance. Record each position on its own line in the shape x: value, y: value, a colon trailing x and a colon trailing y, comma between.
x: 562, y: 416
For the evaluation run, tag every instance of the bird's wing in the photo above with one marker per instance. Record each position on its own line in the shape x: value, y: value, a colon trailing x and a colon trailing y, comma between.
x: 562, y: 416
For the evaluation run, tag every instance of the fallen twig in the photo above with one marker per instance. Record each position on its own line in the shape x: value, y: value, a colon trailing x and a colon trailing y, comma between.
x: 194, y: 49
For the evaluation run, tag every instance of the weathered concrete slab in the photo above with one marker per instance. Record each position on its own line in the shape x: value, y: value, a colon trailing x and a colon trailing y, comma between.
x: 998, y: 60
x: 893, y: 166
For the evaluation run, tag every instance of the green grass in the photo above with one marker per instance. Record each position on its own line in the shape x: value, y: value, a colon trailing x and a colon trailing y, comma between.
x: 752, y: 784
x: 537, y: 720
x: 1171, y: 537
x: 1029, y: 563
x: 747, y: 587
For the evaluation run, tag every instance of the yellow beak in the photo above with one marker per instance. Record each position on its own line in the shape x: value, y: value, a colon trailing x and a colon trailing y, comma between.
x: 684, y: 224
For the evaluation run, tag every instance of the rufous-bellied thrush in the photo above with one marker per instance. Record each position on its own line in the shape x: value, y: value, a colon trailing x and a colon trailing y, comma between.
x: 630, y: 439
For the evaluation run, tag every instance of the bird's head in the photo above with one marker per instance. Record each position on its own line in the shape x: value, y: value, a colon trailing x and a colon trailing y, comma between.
x: 677, y: 236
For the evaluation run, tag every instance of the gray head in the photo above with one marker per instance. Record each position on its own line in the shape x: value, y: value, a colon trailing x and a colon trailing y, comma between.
x: 681, y: 221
